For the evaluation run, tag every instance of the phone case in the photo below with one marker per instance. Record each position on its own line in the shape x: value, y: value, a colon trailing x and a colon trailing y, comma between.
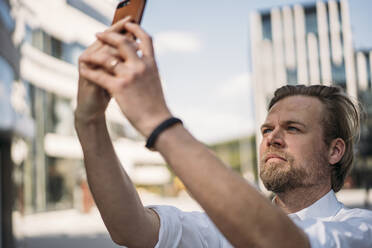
x: 133, y: 8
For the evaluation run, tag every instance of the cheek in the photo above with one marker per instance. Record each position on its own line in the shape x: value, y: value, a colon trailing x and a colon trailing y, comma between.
x: 305, y: 150
x: 298, y: 149
x: 262, y: 148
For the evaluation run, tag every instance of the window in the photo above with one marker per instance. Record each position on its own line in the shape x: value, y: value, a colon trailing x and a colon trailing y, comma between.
x: 311, y: 20
x: 28, y: 35
x: 63, y: 122
x: 71, y: 52
x: 369, y: 72
x: 338, y: 75
x: 6, y: 80
x: 52, y: 46
x: 56, y: 47
x: 37, y: 39
x: 266, y: 26
x: 5, y: 16
x: 292, y: 76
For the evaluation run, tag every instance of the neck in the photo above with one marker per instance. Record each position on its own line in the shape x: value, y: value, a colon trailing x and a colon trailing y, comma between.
x: 297, y: 199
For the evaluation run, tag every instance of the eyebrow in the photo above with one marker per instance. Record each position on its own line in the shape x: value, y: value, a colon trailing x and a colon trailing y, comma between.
x: 287, y: 123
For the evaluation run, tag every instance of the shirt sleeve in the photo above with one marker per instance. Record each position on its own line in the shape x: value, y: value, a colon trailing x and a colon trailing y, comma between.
x: 181, y: 229
x: 348, y: 232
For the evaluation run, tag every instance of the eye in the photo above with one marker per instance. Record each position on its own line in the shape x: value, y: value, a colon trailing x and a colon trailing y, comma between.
x: 265, y: 130
x: 292, y: 128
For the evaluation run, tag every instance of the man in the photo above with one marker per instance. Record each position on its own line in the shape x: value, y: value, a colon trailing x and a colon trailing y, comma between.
x: 305, y: 154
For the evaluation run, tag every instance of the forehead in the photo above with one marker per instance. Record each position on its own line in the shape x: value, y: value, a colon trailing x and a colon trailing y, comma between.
x: 305, y: 109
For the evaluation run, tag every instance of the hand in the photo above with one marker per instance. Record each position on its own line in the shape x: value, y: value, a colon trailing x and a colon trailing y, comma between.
x: 133, y: 80
x: 92, y: 99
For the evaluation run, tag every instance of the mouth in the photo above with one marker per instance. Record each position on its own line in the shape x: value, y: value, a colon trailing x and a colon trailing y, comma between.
x: 274, y: 157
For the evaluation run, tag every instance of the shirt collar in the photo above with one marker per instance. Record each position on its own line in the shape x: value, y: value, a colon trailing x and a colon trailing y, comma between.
x: 326, y: 207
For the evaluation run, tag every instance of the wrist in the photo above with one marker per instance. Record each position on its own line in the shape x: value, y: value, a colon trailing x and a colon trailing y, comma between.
x: 166, y: 140
x: 161, y: 128
x: 82, y: 122
x: 92, y: 133
x: 149, y: 126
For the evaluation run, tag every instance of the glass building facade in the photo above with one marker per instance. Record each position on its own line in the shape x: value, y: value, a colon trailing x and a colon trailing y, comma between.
x: 53, y: 170
x: 41, y: 161
x: 51, y: 175
x: 10, y: 119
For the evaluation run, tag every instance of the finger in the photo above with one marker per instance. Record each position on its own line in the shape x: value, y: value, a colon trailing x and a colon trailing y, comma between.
x: 126, y: 47
x: 100, y: 77
x: 145, y: 44
x: 100, y: 56
x: 111, y: 50
x: 95, y: 46
x: 119, y: 26
x: 92, y: 48
x: 107, y: 62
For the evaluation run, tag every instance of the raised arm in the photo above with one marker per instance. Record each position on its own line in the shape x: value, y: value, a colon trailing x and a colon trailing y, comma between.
x: 243, y: 215
x: 127, y: 221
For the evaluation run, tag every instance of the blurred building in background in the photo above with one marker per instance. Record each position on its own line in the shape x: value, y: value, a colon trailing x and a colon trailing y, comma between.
x: 240, y: 155
x: 312, y: 44
x: 40, y: 44
x: 15, y: 123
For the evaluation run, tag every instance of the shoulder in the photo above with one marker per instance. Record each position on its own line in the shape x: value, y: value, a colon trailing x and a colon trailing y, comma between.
x: 349, y: 227
x: 346, y: 214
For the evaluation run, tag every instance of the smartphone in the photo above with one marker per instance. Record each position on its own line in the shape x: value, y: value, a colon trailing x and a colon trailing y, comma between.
x: 133, y: 8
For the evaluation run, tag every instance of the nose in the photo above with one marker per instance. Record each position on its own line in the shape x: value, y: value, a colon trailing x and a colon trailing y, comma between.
x: 275, y: 138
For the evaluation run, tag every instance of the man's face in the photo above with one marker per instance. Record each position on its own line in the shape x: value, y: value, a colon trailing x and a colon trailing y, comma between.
x: 292, y: 152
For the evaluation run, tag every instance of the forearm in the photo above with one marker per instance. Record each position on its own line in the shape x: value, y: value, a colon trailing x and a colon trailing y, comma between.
x: 114, y: 193
x: 243, y: 215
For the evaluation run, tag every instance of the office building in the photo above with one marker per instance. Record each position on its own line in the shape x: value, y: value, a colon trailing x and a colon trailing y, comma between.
x: 15, y: 121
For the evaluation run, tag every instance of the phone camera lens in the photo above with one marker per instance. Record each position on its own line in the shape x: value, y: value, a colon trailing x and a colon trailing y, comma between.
x: 123, y: 3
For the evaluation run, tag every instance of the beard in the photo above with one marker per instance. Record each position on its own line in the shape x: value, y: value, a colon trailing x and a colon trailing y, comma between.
x: 283, y: 176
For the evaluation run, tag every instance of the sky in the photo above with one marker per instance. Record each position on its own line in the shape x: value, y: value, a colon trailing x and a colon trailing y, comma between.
x: 202, y: 50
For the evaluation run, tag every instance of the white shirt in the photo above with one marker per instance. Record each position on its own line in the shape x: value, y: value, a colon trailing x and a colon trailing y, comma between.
x: 327, y: 223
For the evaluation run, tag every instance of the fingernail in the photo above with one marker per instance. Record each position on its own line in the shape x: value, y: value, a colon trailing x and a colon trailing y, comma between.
x: 99, y: 34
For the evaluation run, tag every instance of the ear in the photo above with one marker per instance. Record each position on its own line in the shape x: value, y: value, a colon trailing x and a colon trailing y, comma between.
x: 336, y: 151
